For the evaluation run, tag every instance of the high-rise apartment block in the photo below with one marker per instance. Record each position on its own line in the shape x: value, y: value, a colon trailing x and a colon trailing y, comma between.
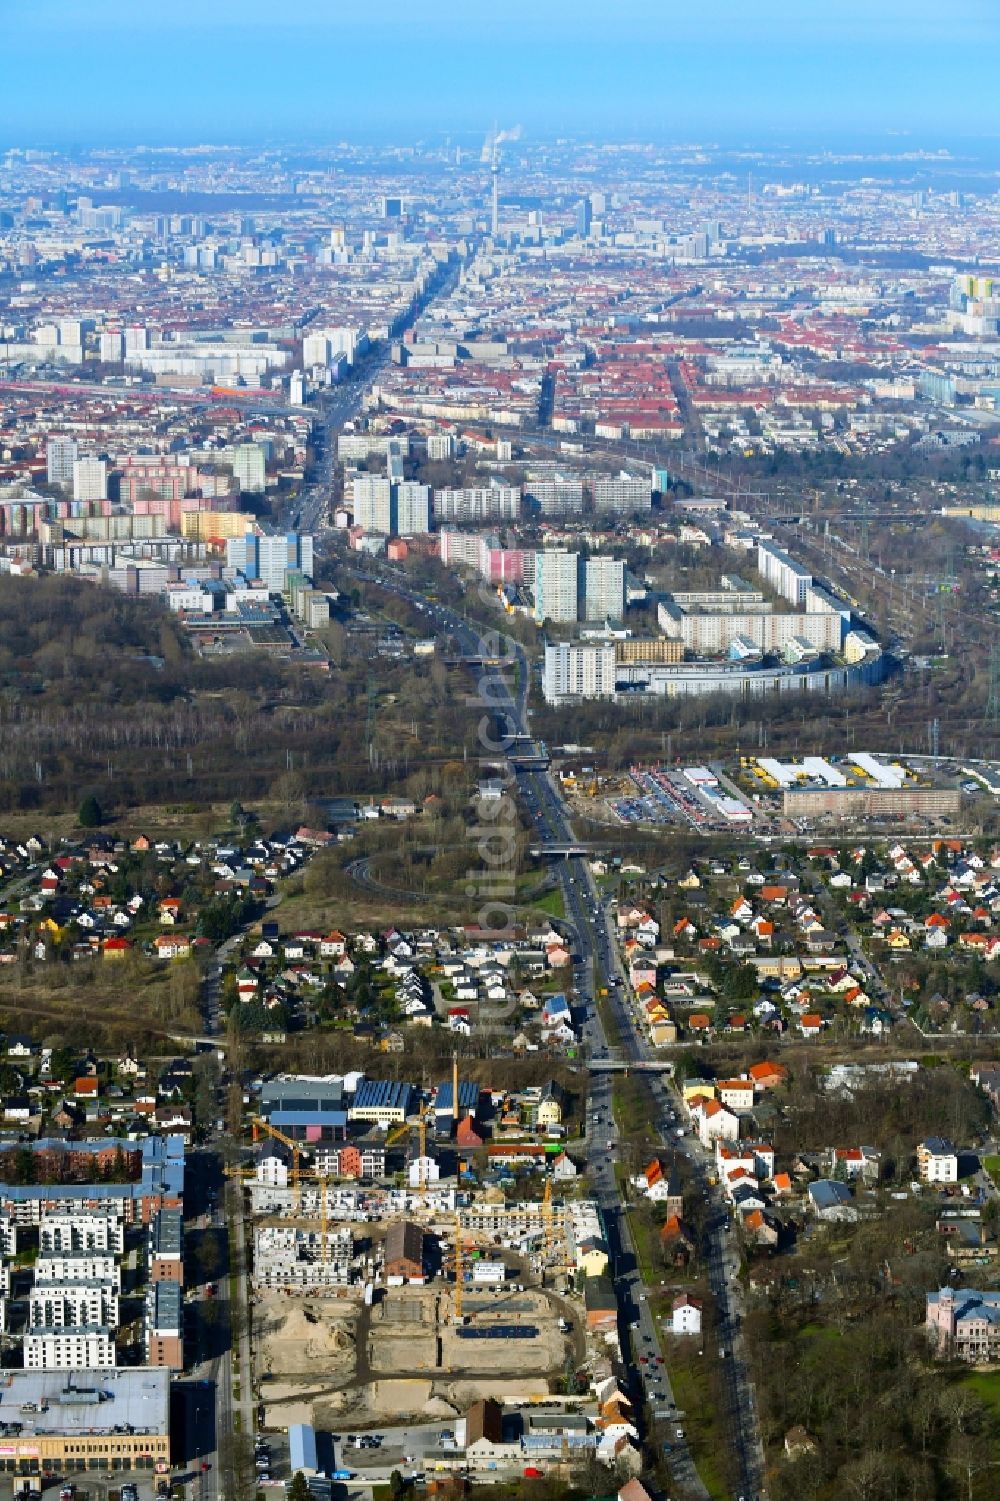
x: 136, y: 339
x: 271, y: 558
x: 372, y: 495
x: 784, y: 575
x: 90, y: 479
x: 624, y: 493
x: 413, y: 508
x: 489, y: 503
x: 396, y: 509
x: 248, y: 468
x: 575, y: 670
x: 603, y: 589
x: 112, y: 347
x: 60, y: 457
x: 556, y: 586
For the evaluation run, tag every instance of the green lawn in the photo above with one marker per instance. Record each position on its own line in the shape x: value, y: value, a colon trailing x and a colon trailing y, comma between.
x: 612, y: 1031
x: 818, y: 1331
x: 552, y: 903
x: 630, y: 1104
x: 986, y: 1385
x: 693, y: 1395
x: 646, y: 1242
x: 992, y: 1166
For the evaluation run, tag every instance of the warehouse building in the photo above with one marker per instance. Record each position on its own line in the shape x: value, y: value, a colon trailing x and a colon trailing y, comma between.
x: 382, y: 1102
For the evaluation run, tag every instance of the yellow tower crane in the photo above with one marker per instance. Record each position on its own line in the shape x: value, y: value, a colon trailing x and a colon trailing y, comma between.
x: 422, y: 1147
x: 458, y: 1269
x: 397, y: 1133
x: 547, y: 1221
x: 324, y: 1220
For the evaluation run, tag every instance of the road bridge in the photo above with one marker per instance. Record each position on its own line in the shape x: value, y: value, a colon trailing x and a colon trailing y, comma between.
x: 628, y: 1066
x: 558, y: 851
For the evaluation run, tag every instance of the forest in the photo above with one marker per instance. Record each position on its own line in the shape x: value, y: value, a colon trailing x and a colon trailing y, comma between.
x: 101, y: 694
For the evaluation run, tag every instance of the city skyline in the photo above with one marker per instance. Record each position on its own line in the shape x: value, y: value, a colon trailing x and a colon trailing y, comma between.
x: 236, y: 73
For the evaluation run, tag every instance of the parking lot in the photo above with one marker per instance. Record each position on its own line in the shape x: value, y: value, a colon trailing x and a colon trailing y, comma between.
x: 87, y: 1488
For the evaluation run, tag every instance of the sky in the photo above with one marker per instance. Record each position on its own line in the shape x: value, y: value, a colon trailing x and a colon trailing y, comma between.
x: 136, y: 71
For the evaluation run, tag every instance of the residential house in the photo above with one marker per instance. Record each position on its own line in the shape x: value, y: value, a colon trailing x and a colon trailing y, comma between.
x: 937, y: 1160
x: 686, y: 1315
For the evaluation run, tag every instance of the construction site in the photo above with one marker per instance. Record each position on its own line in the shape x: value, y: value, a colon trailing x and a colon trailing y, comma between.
x: 380, y: 1303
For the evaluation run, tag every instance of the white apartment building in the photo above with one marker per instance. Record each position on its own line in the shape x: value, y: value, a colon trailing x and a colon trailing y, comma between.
x: 112, y: 347
x: 72, y: 1305
x: 486, y: 503
x: 248, y: 468
x: 86, y: 1231
x: 710, y: 632
x: 603, y: 589
x: 82, y: 1266
x: 557, y: 586
x: 780, y: 570
x: 561, y: 495
x: 440, y: 445
x: 90, y: 479
x: 413, y: 509
x: 69, y: 1349
x: 60, y: 456
x: 937, y: 1160
x: 423, y: 1170
x: 371, y: 495
x: 625, y: 493
x: 573, y: 670
x: 315, y: 349
x: 273, y: 1171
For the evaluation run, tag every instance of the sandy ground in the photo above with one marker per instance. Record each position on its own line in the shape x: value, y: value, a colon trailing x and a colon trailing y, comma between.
x: 310, y: 1347
x: 305, y: 1337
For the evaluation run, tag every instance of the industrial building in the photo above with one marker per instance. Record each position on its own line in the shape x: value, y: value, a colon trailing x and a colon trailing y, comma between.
x: 382, y: 1102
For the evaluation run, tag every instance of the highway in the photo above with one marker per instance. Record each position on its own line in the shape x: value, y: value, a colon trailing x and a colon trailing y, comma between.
x: 335, y: 408
x: 597, y: 964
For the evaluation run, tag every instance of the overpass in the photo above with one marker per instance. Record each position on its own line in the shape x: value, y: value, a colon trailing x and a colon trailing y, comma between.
x: 559, y: 851
x: 628, y: 1066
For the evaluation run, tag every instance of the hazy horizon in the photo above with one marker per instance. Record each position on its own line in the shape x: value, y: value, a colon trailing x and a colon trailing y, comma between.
x: 240, y: 72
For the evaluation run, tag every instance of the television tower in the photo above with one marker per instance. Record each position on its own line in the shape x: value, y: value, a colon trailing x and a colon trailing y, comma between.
x: 491, y: 153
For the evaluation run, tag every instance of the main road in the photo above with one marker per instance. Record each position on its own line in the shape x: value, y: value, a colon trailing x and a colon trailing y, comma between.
x: 597, y: 965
